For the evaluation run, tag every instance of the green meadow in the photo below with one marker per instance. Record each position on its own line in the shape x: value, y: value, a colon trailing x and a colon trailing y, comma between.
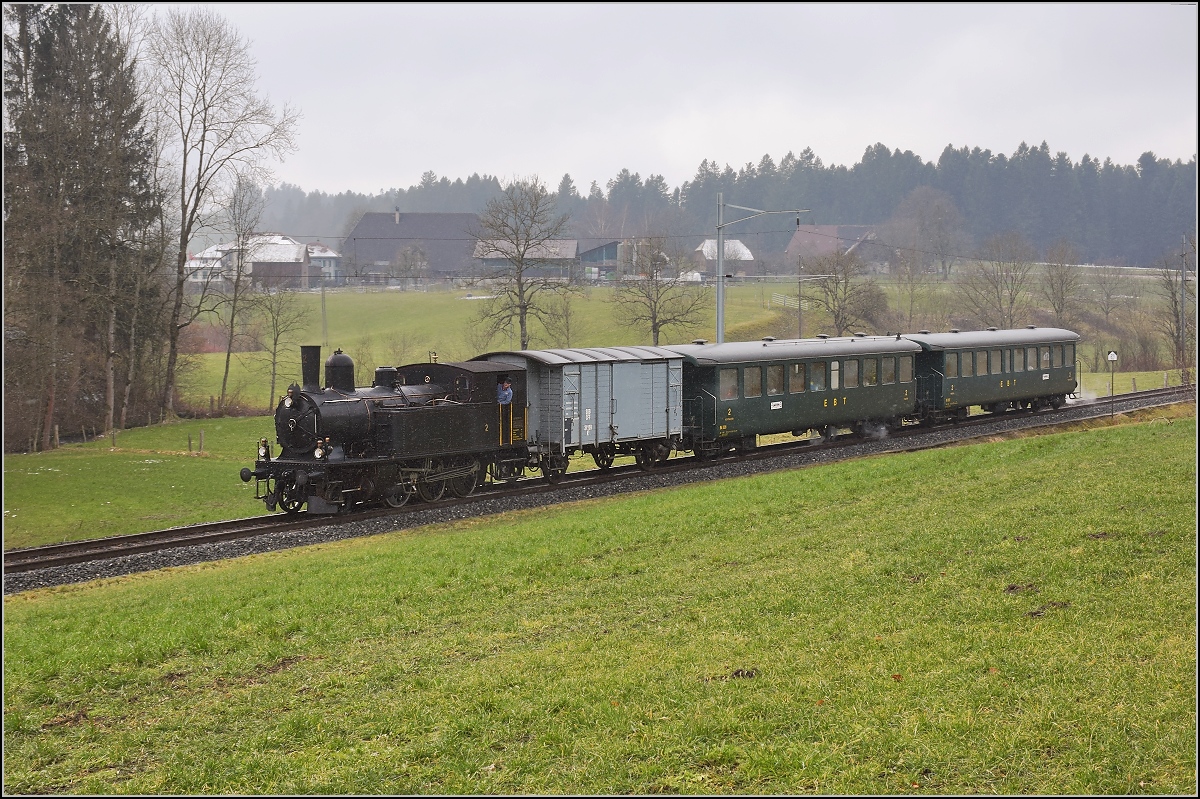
x: 1015, y: 617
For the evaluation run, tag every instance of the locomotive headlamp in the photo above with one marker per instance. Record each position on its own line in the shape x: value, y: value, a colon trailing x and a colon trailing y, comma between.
x: 287, y: 401
x: 264, y: 453
x: 319, y: 452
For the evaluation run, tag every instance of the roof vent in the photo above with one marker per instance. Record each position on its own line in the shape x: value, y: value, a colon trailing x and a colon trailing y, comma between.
x: 860, y: 335
x: 768, y: 338
x: 1031, y: 327
x: 923, y: 332
x: 992, y: 329
x: 699, y: 341
x: 954, y: 330
x: 822, y: 335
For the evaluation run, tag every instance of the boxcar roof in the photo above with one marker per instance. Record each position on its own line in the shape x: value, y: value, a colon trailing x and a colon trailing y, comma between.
x: 792, y: 349
x: 588, y: 355
x: 992, y: 338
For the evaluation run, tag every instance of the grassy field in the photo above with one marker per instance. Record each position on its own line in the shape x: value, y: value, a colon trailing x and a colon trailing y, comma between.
x: 1013, y: 617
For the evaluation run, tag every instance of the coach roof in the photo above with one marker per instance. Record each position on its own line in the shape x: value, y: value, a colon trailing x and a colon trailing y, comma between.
x: 982, y: 339
x: 793, y: 349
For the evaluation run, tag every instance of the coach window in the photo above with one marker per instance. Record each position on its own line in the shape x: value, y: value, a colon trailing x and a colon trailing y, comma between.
x: 981, y: 363
x: 796, y: 386
x: 1069, y: 353
x: 951, y: 364
x: 1056, y: 356
x: 729, y: 388
x: 851, y: 373
x: 870, y: 371
x: 816, y: 376
x: 994, y: 362
x: 888, y: 371
x: 833, y: 375
x: 1045, y: 351
x: 1018, y: 360
x: 967, y: 366
x: 775, y: 380
x: 906, y: 368
x: 753, y: 381
x: 1031, y: 361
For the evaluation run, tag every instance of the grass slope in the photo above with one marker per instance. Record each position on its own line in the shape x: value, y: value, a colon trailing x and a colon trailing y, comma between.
x: 1015, y: 617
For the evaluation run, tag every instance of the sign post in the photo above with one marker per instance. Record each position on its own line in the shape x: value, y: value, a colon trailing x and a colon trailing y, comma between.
x: 1112, y: 360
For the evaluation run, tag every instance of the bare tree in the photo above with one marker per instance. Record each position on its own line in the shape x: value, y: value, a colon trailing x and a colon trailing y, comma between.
x: 1062, y: 283
x: 1176, y: 285
x: 243, y: 212
x: 653, y: 294
x: 845, y: 294
x: 997, y: 290
x: 1111, y: 289
x: 204, y: 96
x: 519, y: 230
x: 408, y: 264
x: 281, y: 317
x: 937, y: 226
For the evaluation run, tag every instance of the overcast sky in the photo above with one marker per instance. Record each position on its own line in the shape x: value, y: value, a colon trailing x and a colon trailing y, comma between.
x: 390, y: 91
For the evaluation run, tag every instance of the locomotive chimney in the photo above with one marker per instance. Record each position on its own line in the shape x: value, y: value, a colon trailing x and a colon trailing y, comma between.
x: 310, y: 367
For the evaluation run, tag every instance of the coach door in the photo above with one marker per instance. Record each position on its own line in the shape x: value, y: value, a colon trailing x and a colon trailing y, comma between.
x: 571, y: 405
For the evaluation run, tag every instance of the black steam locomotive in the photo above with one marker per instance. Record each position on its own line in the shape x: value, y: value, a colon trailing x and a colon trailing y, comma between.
x: 422, y: 429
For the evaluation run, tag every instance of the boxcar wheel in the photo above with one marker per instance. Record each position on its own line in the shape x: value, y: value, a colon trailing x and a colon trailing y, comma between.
x: 603, y: 458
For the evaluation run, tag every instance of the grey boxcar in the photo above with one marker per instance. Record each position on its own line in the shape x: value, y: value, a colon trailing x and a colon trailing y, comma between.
x: 604, y: 401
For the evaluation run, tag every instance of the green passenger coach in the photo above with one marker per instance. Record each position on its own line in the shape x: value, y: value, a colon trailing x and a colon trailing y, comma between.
x: 998, y: 370
x: 734, y: 392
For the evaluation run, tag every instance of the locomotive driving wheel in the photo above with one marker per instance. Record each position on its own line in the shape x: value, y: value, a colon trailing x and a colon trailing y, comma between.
x: 465, y: 485
x: 398, y: 495
x: 431, y: 490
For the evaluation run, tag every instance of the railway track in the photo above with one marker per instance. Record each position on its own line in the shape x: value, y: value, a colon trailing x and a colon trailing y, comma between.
x: 907, y: 439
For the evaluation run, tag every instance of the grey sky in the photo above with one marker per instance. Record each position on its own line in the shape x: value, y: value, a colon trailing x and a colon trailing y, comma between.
x: 390, y: 91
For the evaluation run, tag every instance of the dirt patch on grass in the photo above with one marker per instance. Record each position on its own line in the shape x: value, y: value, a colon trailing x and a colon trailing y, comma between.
x: 1043, y: 609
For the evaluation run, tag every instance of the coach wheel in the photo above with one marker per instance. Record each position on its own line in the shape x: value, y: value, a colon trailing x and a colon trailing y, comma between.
x: 604, y: 458
x: 1057, y: 401
x: 397, y: 496
x: 828, y: 433
x: 431, y: 491
x: 465, y: 485
x: 554, y: 467
x: 291, y: 497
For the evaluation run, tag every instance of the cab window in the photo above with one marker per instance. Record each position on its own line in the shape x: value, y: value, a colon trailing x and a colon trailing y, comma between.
x: 816, y: 376
x: 852, y: 373
x: 906, y: 368
x: 797, y: 380
x: 888, y: 371
x: 775, y: 380
x: 951, y: 364
x: 753, y: 385
x: 967, y: 367
x: 729, y: 381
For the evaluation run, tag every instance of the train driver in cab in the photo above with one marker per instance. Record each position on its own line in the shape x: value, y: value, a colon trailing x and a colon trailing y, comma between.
x: 504, y: 391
